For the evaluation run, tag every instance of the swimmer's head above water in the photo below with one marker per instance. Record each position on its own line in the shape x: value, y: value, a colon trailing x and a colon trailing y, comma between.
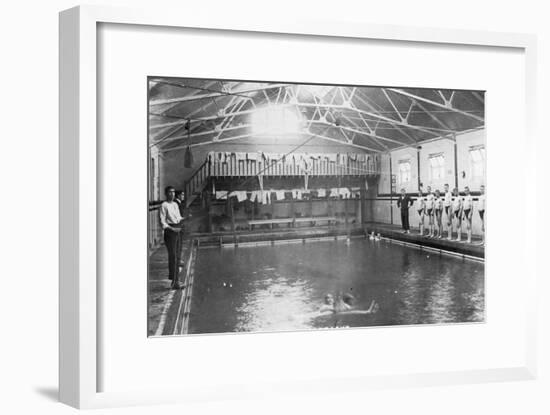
x: 348, y: 299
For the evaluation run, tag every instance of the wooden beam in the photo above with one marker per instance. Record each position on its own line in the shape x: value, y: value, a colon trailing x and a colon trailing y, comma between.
x: 398, y: 127
x: 438, y: 104
x: 344, y: 143
x: 433, y: 117
x: 203, y: 133
x: 212, y: 95
x: 204, y: 143
x: 211, y: 117
x: 477, y: 96
x: 375, y: 115
x: 371, y: 136
x: 392, y: 104
x: 360, y: 132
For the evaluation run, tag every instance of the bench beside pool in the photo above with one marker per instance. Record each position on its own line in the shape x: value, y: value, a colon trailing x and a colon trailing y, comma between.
x: 292, y: 221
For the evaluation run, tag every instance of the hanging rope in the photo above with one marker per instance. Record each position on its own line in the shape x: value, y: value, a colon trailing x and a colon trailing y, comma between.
x: 188, y: 158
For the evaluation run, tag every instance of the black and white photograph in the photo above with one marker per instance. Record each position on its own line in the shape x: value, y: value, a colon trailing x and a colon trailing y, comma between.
x: 284, y: 206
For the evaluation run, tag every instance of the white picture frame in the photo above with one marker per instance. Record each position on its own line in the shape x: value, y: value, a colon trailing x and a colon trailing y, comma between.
x: 79, y: 169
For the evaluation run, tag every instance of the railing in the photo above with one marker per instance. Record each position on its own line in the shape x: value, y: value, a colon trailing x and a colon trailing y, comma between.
x: 234, y: 167
x: 195, y: 184
x: 155, y: 230
x: 291, y: 166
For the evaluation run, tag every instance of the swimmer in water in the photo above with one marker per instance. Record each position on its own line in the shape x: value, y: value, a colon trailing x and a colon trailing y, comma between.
x: 344, y: 305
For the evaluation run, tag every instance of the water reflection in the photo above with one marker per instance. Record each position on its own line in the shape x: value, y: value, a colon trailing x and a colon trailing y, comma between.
x: 276, y: 303
x: 282, y: 287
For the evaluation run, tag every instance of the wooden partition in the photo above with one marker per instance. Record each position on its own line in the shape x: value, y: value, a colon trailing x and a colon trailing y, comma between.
x: 155, y: 230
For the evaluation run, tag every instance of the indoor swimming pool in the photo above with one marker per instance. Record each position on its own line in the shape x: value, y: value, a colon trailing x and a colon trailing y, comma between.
x: 283, y: 286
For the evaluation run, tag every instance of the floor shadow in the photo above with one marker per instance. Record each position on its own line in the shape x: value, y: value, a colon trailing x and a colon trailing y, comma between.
x: 50, y: 393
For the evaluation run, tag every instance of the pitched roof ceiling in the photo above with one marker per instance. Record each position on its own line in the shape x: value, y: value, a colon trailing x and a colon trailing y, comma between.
x: 195, y: 112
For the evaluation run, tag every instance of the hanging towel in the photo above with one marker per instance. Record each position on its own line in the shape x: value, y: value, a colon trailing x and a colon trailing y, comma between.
x: 334, y: 192
x: 280, y: 194
x: 343, y: 159
x: 252, y: 156
x: 344, y: 191
x: 321, y: 193
x: 256, y: 196
x: 297, y: 194
x: 240, y: 156
x: 242, y: 196
x: 221, y: 195
x: 188, y: 158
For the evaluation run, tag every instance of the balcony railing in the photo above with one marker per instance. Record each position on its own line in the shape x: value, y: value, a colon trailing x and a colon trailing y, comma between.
x: 223, y: 164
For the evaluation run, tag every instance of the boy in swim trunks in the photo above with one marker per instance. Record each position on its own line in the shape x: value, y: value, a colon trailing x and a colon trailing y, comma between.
x: 430, y: 211
x: 481, y: 210
x: 447, y: 202
x: 438, y: 212
x: 456, y: 205
x: 467, y: 208
x: 420, y: 208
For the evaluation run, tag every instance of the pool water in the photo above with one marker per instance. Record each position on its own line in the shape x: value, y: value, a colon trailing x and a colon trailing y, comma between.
x: 282, y: 287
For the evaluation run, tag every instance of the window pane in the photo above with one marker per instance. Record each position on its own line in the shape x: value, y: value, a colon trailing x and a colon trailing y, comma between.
x: 477, y: 162
x: 404, y: 171
x: 437, y: 166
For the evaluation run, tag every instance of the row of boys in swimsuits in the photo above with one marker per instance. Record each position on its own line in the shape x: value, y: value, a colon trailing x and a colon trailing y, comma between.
x: 458, y: 210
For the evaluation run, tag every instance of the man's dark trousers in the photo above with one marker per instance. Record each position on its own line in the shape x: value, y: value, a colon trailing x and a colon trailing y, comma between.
x: 171, y: 240
x: 405, y: 218
x: 404, y: 202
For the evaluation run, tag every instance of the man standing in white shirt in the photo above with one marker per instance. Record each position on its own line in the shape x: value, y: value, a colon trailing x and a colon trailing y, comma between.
x: 170, y: 220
